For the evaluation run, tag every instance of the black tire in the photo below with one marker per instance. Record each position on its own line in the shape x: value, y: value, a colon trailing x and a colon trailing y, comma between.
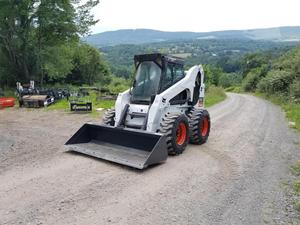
x: 199, y: 126
x: 109, y: 117
x: 170, y: 126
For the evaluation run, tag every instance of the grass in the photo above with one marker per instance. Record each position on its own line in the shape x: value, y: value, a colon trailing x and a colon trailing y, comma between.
x: 64, y: 104
x: 214, y: 95
x: 297, y: 206
x: 291, y: 109
x: 234, y: 89
x: 296, y: 168
x: 296, y: 187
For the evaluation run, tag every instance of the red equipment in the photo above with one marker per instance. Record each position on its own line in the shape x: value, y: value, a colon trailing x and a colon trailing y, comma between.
x: 6, y: 102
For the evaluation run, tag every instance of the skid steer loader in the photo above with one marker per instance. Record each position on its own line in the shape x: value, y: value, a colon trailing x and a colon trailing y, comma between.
x: 156, y: 117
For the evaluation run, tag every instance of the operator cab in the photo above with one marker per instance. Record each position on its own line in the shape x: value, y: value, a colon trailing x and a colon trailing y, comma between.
x: 155, y: 73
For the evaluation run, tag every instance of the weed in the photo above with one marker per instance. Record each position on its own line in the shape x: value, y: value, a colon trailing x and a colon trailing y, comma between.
x: 296, y: 187
x: 297, y: 205
x: 214, y: 95
x: 296, y: 168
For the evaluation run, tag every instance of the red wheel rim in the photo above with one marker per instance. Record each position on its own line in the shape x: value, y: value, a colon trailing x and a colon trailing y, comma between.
x: 181, y: 133
x: 204, y: 127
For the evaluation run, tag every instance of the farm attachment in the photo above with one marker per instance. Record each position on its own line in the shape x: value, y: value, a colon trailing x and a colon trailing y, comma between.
x: 31, y: 97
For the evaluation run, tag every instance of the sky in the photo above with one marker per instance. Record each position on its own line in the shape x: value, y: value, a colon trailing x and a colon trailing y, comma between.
x: 193, y: 15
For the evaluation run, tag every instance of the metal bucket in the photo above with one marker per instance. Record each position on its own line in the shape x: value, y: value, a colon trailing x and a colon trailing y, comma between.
x: 129, y: 147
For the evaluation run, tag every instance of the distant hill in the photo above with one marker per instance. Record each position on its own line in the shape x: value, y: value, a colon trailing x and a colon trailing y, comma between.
x: 141, y: 36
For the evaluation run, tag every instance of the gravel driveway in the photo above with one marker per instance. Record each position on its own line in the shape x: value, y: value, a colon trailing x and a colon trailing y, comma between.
x: 237, y: 177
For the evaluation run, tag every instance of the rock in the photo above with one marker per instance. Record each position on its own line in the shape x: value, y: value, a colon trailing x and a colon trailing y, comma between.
x: 292, y: 124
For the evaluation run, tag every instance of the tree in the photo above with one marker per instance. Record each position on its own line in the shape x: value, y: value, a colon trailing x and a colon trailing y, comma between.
x: 212, y: 74
x: 230, y: 79
x: 33, y: 31
x: 16, y: 18
x: 89, y: 67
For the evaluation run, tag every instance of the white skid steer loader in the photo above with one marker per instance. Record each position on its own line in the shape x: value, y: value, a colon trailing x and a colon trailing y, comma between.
x: 157, y: 116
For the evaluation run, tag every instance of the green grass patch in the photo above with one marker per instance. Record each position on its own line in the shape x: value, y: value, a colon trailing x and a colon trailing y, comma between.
x: 233, y: 89
x: 59, y: 105
x: 296, y: 187
x: 214, y: 95
x: 291, y: 109
x: 296, y: 168
x: 64, y: 104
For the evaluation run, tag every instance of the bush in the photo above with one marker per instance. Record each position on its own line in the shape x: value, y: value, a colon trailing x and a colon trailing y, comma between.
x: 250, y: 81
x: 233, y: 89
x: 294, y: 90
x: 230, y: 79
x: 118, y: 85
x: 253, y: 77
x: 276, y: 81
x: 229, y: 89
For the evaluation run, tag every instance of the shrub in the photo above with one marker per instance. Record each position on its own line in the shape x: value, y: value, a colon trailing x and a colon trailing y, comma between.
x: 276, y: 81
x: 250, y: 81
x: 294, y: 90
x: 253, y: 77
x: 230, y: 79
x: 233, y: 89
x: 229, y: 89
x: 118, y: 85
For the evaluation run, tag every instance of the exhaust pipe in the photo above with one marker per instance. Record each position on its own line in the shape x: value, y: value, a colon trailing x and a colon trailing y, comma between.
x: 134, y: 148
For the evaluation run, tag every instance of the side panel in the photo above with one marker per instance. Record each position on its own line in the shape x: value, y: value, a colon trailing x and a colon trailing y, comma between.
x: 202, y: 89
x: 122, y: 100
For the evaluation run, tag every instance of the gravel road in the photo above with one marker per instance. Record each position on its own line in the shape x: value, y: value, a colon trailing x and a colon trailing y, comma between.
x: 238, y: 177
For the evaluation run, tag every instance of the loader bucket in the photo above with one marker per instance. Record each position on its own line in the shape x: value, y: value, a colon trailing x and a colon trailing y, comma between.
x: 129, y: 147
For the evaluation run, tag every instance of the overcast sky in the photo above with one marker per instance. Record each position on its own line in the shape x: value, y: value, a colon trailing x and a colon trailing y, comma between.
x: 193, y: 15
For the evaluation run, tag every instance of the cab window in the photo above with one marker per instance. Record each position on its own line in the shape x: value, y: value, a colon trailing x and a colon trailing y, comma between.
x: 173, y: 74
